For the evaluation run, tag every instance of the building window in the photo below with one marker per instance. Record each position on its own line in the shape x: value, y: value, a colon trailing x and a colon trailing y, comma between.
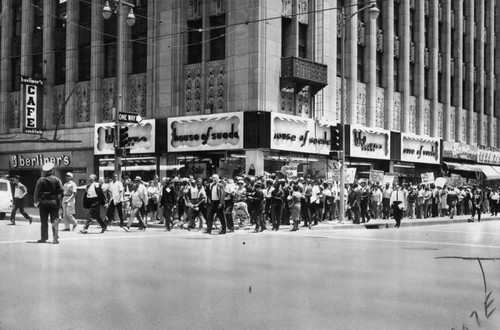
x: 84, y: 40
x: 60, y: 67
x: 286, y: 32
x: 139, y: 39
x: 303, y: 40
x: 110, y: 47
x: 361, y: 57
x: 16, y: 73
x: 217, y: 37
x: 194, y: 41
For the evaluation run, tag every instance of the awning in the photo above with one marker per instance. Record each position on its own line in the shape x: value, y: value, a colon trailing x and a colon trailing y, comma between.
x: 452, y: 165
x: 489, y: 172
x: 143, y: 167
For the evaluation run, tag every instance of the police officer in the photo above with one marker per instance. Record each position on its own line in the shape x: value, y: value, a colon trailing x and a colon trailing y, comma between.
x: 47, y: 198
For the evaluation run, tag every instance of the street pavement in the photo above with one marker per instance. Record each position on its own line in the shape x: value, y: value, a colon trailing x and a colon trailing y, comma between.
x: 441, y: 276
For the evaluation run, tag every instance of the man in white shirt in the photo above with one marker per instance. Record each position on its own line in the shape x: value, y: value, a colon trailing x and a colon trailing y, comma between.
x: 68, y: 202
x: 115, y: 189
x: 20, y: 192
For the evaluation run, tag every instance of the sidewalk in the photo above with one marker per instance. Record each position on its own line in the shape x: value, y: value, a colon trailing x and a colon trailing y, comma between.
x: 372, y: 224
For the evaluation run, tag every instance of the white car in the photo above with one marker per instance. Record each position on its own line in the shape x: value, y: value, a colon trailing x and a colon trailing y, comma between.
x: 6, y: 202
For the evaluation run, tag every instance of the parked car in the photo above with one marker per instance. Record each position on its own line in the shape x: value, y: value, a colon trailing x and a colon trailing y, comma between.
x: 6, y: 202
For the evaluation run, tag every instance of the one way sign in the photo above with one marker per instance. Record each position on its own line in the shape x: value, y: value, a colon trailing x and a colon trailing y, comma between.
x: 130, y: 117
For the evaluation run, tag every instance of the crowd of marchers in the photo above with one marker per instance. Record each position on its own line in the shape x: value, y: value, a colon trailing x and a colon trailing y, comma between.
x: 260, y: 202
x: 257, y: 202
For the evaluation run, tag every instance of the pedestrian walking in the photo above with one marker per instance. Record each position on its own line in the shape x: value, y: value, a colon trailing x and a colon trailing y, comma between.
x: 68, y: 203
x: 477, y: 205
x: 138, y: 198
x: 216, y: 197
x: 398, y: 203
x: 167, y: 202
x: 116, y: 197
x: 294, y: 202
x: 47, y: 198
x: 20, y: 192
x: 93, y: 199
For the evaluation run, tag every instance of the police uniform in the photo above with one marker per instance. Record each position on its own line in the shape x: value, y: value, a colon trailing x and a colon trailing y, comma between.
x: 47, y: 196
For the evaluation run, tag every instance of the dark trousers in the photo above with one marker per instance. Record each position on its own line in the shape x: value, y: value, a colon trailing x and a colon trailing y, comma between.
x: 94, y: 214
x: 304, y: 212
x: 45, y: 212
x: 111, y: 212
x: 18, y: 205
x: 398, y: 214
x: 385, y: 207
x: 213, y: 211
x: 167, y: 214
x: 364, y: 211
x: 202, y: 210
x: 355, y: 213
x: 276, y: 214
x: 229, y: 205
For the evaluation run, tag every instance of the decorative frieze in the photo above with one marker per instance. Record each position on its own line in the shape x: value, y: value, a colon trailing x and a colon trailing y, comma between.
x: 379, y: 108
x: 451, y: 126
x: 192, y: 93
x: 82, y: 101
x: 108, y: 98
x: 396, y: 115
x: 194, y: 11
x: 464, y: 125
x: 412, y: 120
x: 427, y: 117
x: 303, y: 9
x: 58, y: 99
x: 361, y: 105
x: 215, y: 87
x: 304, y: 102
x: 287, y: 100
x: 138, y: 89
x: 474, y: 128
x: 15, y: 110
x: 286, y: 8
x: 440, y: 119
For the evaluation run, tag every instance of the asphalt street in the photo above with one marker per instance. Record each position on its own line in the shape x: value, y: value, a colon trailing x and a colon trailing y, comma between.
x: 425, y: 277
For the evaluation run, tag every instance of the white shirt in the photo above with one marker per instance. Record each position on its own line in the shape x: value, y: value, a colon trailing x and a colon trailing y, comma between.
x: 91, y: 193
x: 116, y: 189
x: 398, y: 195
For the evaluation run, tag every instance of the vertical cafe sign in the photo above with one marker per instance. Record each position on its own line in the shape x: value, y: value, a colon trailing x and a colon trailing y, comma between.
x: 33, y: 105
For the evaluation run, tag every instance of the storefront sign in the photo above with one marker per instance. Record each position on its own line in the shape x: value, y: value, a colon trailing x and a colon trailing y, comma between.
x: 141, y: 137
x: 488, y: 155
x: 298, y: 134
x: 370, y: 143
x: 33, y: 105
x: 207, y: 132
x: 36, y: 161
x: 459, y: 150
x: 417, y: 149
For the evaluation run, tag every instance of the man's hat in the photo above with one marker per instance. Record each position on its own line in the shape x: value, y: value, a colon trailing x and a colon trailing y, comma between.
x: 138, y: 178
x: 69, y: 174
x: 47, y: 167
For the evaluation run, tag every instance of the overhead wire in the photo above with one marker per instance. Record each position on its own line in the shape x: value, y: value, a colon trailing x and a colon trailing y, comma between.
x: 145, y: 40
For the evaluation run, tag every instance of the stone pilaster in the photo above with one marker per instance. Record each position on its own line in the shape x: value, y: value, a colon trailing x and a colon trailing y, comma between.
x: 469, y: 69
x: 5, y: 65
x: 445, y: 88
x: 489, y: 65
x: 433, y: 81
x: 479, y: 53
x: 404, y: 65
x: 351, y: 62
x: 73, y: 10
x: 457, y: 6
x: 419, y: 72
x: 370, y: 67
x: 96, y: 65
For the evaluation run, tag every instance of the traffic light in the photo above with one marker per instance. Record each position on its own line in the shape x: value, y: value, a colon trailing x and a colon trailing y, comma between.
x: 337, y: 137
x: 123, y: 138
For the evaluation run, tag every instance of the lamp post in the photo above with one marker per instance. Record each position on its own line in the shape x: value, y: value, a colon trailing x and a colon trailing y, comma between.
x: 106, y: 13
x: 374, y: 12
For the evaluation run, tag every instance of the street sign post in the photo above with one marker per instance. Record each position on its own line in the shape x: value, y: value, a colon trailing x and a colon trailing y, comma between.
x: 130, y: 117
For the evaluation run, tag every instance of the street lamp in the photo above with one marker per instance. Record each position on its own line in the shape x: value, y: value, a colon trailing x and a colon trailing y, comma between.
x: 374, y: 12
x: 106, y: 13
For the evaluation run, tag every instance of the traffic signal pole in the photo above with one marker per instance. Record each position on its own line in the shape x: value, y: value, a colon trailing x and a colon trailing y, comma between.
x: 119, y: 87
